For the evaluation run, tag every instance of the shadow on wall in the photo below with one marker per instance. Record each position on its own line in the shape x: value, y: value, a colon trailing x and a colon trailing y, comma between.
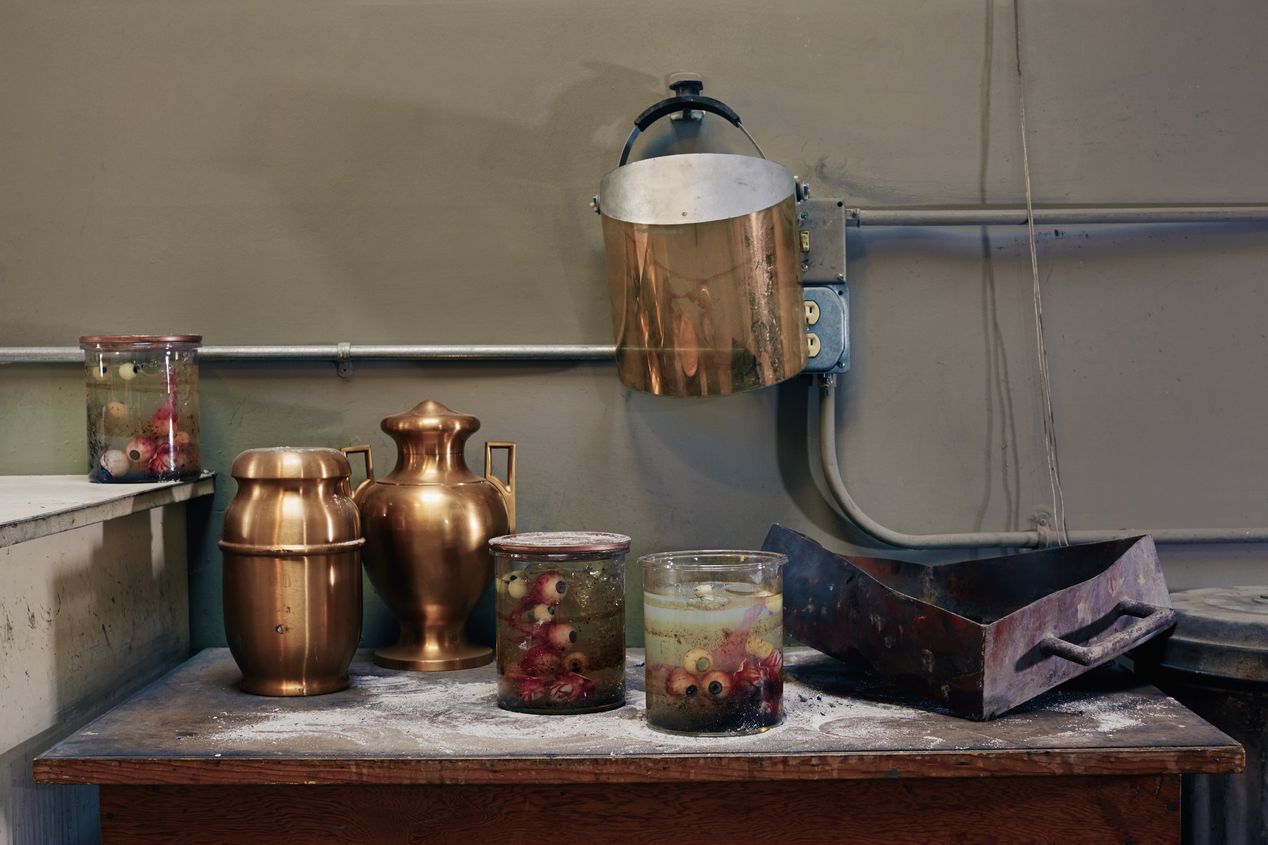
x: 399, y: 202
x: 798, y: 455
x: 44, y: 814
x: 395, y: 195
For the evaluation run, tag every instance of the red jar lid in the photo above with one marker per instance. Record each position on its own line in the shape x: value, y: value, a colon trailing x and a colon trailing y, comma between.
x: 142, y: 340
x: 561, y: 543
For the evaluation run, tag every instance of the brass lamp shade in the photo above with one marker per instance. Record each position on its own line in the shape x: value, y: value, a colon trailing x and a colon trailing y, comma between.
x: 703, y: 272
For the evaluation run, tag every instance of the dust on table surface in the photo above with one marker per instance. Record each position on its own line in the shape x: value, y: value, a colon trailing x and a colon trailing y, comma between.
x: 199, y: 711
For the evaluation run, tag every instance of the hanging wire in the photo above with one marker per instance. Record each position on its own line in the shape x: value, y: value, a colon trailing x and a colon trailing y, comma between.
x: 1045, y: 381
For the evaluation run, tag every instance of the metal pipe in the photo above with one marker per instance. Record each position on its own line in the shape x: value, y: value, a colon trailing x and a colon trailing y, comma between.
x: 1007, y: 539
x: 335, y: 352
x: 414, y: 352
x: 1065, y: 216
x: 924, y: 216
x: 578, y: 352
x: 41, y: 355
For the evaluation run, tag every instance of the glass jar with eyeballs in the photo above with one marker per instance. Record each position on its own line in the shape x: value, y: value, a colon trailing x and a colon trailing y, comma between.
x: 142, y: 407
x: 560, y: 621
x: 714, y: 633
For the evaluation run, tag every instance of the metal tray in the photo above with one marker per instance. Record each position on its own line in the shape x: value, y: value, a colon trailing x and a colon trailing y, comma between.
x: 978, y: 636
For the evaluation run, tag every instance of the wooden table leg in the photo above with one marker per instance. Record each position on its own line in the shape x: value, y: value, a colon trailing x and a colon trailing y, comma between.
x: 1089, y: 810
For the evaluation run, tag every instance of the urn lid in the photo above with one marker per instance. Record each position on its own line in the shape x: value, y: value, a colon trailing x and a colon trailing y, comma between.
x: 430, y: 418
x: 431, y: 425
x: 291, y: 462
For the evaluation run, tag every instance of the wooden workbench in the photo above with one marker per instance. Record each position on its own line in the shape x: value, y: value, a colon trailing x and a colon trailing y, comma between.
x: 414, y: 758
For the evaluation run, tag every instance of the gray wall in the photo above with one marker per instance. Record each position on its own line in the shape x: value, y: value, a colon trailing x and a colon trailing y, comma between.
x: 419, y: 171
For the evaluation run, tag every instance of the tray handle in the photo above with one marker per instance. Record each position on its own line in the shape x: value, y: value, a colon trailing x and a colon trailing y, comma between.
x: 1152, y: 619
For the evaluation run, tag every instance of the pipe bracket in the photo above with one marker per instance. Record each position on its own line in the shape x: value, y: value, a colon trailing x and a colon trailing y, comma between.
x: 343, y: 360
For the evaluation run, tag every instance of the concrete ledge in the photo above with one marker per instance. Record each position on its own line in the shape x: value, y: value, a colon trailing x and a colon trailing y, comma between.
x: 34, y: 506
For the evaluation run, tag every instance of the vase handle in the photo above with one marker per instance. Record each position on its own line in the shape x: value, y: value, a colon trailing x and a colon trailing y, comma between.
x: 369, y: 467
x: 507, y: 488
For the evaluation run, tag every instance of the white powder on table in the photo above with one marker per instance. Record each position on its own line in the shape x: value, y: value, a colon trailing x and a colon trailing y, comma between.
x: 446, y: 715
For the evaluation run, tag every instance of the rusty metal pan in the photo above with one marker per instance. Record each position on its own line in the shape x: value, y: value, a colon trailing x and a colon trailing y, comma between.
x: 981, y: 636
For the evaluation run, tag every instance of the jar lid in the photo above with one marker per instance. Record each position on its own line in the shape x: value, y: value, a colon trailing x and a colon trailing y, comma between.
x: 1220, y: 631
x: 561, y: 543
x: 713, y: 560
x: 138, y: 339
x: 291, y: 462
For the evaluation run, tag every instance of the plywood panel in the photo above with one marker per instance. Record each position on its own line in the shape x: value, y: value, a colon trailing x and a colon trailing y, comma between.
x: 1088, y: 811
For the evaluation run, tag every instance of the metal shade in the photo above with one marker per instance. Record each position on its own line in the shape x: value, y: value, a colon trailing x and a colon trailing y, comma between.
x: 702, y: 264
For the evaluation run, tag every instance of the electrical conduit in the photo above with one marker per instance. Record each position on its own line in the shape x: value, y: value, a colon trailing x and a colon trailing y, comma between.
x: 1007, y: 539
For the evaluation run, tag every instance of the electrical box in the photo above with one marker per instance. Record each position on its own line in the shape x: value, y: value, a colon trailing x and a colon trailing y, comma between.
x: 829, y: 335
x: 821, y: 239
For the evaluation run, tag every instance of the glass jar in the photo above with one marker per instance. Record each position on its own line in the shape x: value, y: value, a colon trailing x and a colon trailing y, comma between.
x: 560, y: 621
x: 714, y: 632
x: 142, y: 407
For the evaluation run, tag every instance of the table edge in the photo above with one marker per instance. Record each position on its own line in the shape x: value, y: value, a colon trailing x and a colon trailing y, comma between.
x: 658, y: 768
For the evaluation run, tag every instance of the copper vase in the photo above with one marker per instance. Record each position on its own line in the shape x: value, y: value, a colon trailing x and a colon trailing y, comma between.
x: 427, y: 525
x: 292, y: 571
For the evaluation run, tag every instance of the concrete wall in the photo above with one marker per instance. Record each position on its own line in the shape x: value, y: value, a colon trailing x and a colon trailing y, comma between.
x: 87, y: 617
x: 419, y: 172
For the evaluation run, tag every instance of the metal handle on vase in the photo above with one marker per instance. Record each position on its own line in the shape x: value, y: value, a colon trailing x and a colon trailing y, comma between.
x: 507, y: 488
x: 363, y: 448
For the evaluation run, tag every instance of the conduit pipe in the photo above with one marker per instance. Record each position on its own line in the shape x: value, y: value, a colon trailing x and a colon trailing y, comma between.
x: 1063, y: 216
x: 1038, y: 538
x: 339, y: 352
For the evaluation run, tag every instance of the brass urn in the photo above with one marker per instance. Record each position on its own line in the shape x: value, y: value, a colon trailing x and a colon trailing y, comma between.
x: 292, y: 571
x: 427, y: 525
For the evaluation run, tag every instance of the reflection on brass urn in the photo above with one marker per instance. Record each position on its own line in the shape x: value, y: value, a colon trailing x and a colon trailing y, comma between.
x: 292, y: 571
x: 427, y: 525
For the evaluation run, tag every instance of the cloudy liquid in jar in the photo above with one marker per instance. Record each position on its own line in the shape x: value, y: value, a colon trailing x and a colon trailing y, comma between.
x: 714, y: 657
x: 142, y: 416
x: 561, y: 637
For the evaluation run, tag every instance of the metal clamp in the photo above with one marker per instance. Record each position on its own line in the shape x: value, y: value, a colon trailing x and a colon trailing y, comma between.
x: 343, y: 360
x: 686, y: 83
